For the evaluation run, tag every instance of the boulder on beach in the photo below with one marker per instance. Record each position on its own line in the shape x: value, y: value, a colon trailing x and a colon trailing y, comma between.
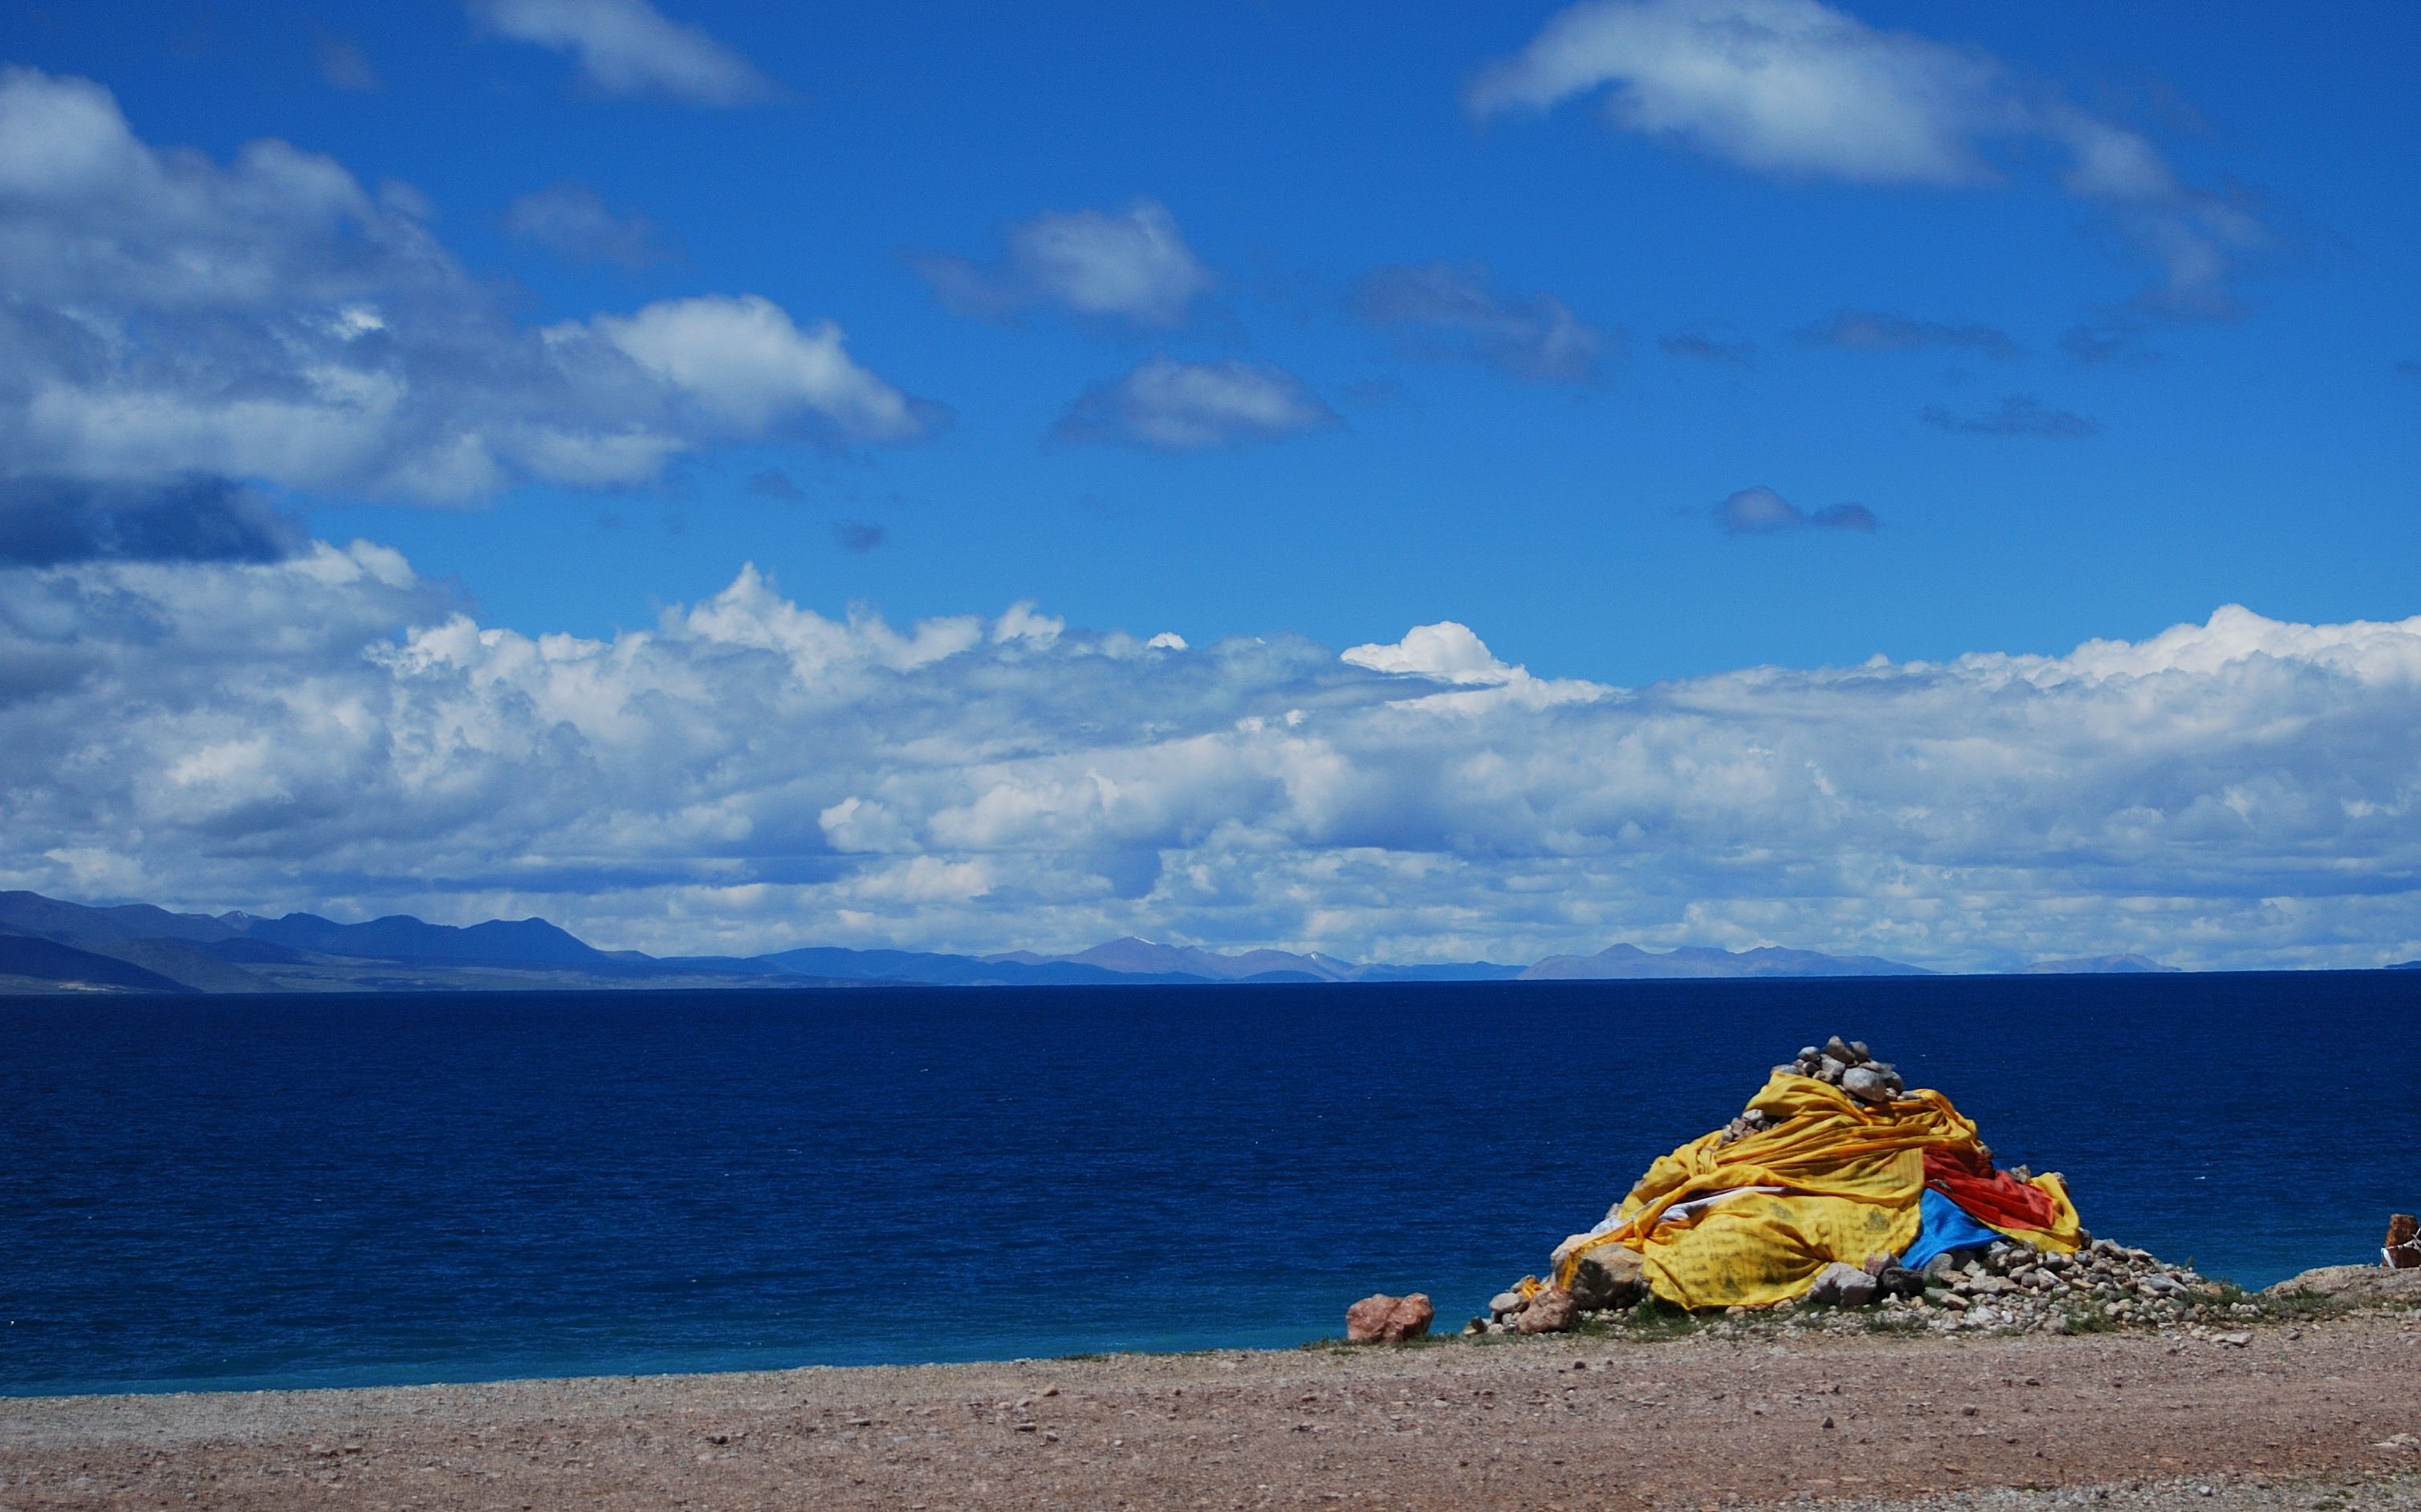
x: 1552, y: 1311
x: 1608, y: 1275
x: 1383, y: 1320
x: 2360, y: 1284
x: 1843, y: 1286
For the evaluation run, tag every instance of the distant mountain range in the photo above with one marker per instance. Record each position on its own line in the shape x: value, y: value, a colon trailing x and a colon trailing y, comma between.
x: 2097, y: 965
x: 47, y: 946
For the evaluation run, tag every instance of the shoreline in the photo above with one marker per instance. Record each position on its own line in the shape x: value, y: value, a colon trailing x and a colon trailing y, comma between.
x: 2326, y: 1294
x: 1748, y: 1418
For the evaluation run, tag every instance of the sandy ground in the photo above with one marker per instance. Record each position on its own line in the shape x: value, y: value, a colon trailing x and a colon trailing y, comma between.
x: 2305, y: 1417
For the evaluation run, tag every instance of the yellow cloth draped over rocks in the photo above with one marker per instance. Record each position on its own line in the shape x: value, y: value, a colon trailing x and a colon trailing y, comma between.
x: 1849, y: 1173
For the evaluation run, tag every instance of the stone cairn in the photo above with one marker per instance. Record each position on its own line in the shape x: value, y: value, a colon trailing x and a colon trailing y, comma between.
x: 1847, y: 1066
x: 2004, y: 1287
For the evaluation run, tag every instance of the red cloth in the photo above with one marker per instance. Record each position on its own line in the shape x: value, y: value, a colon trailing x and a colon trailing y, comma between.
x: 1995, y: 1198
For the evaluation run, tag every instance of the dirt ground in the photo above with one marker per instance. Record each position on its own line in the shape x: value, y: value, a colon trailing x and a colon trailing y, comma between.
x: 2302, y: 1417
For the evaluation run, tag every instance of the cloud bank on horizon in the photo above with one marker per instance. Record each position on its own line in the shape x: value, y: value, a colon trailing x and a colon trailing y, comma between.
x: 750, y: 774
x: 210, y: 357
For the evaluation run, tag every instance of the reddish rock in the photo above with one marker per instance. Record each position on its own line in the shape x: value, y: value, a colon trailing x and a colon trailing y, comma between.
x: 2402, y: 1251
x: 1553, y: 1311
x: 1384, y: 1319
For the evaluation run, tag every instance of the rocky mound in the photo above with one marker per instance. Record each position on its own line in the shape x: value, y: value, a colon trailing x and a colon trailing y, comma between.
x: 2358, y: 1285
x: 2001, y: 1284
x: 2004, y: 1287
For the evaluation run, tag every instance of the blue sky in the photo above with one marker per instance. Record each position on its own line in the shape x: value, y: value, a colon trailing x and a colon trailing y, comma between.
x: 1925, y: 332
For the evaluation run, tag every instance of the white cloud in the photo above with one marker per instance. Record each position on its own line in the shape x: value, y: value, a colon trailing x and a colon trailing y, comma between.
x: 330, y: 731
x: 1760, y: 511
x: 1445, y: 650
x: 1788, y: 87
x: 1021, y: 623
x: 744, y: 364
x: 1171, y: 405
x: 1130, y: 265
x: 573, y: 221
x: 1798, y: 89
x: 272, y: 319
x: 629, y: 47
x: 1440, y: 310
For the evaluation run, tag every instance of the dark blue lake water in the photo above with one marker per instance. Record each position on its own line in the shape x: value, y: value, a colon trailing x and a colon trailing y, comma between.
x: 281, y: 1191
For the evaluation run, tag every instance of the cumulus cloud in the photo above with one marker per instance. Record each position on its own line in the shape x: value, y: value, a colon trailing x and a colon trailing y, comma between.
x: 330, y: 730
x: 1169, y: 405
x: 574, y: 223
x: 273, y: 320
x: 1798, y: 89
x: 1760, y: 511
x: 2017, y: 414
x: 1129, y: 266
x: 1855, y: 329
x: 746, y: 365
x: 1444, y: 310
x: 1445, y: 650
x: 1453, y: 654
x: 630, y: 48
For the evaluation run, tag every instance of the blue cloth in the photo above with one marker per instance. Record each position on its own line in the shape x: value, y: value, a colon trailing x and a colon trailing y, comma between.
x: 1942, y: 1225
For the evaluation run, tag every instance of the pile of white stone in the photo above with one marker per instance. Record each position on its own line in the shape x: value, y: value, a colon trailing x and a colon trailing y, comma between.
x: 2012, y: 1287
x: 1846, y: 1064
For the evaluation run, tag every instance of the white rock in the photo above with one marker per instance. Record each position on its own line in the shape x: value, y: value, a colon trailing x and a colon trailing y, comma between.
x: 1843, y: 1286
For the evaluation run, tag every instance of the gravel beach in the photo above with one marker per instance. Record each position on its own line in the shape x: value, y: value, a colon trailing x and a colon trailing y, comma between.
x: 2324, y: 1414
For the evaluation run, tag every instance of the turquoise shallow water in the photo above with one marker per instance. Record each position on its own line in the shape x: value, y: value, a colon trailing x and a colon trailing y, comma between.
x: 282, y: 1192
